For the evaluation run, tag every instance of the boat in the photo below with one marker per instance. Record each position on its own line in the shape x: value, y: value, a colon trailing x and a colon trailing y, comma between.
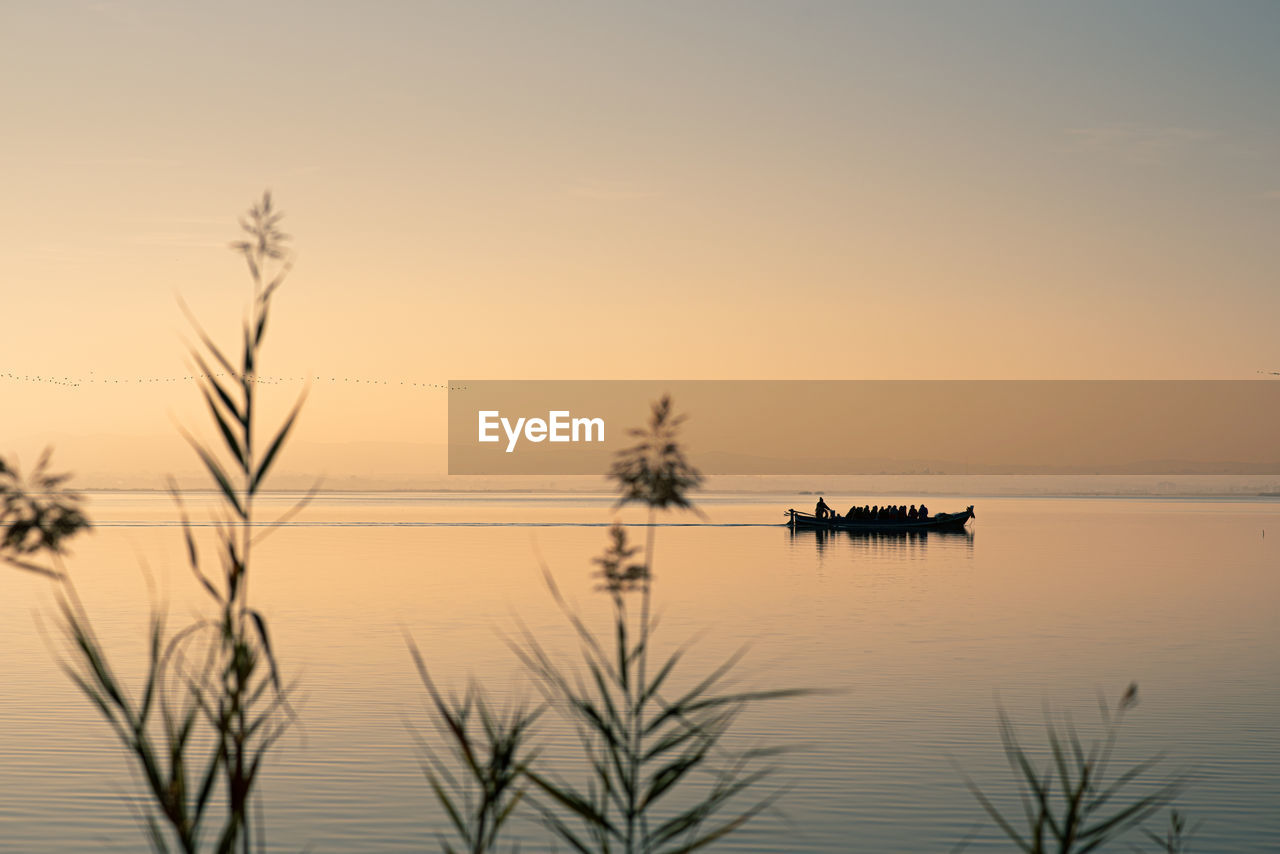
x: 796, y: 520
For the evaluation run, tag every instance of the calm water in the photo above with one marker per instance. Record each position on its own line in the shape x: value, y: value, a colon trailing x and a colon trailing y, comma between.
x: 1045, y: 601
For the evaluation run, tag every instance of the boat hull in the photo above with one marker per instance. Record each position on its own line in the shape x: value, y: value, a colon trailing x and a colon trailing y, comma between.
x: 939, y: 522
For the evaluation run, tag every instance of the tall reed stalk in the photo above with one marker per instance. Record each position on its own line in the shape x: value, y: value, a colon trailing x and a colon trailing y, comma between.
x: 211, y: 703
x: 659, y: 776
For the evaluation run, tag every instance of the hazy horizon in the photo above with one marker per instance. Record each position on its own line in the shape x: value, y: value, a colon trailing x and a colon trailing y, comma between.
x: 831, y: 191
x: 804, y: 194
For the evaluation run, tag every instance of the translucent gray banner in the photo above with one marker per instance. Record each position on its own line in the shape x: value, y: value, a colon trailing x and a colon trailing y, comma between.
x: 779, y: 427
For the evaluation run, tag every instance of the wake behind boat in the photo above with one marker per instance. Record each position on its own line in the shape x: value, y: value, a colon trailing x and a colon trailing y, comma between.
x: 798, y: 520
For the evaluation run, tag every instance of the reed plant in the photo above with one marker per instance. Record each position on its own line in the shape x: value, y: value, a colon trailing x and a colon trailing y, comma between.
x: 481, y: 778
x: 38, y: 515
x: 1071, y: 803
x: 211, y: 703
x: 1176, y: 838
x: 659, y: 775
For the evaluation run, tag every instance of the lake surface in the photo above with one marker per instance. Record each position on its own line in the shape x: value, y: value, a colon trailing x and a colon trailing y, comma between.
x: 916, y: 640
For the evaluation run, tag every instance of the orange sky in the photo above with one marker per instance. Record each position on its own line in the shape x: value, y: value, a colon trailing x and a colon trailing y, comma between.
x: 712, y: 190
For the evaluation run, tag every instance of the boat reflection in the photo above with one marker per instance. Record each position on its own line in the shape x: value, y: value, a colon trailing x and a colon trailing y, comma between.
x: 881, y: 543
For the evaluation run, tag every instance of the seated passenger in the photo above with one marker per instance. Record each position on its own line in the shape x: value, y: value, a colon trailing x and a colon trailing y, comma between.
x: 924, y: 513
x: 912, y: 514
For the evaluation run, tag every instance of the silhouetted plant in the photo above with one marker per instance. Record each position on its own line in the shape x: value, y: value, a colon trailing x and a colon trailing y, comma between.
x: 158, y: 730
x: 489, y: 759
x: 36, y: 516
x: 219, y: 671
x: 640, y: 746
x: 654, y: 471
x: 619, y: 576
x: 233, y: 699
x: 1177, y: 837
x: 1088, y: 810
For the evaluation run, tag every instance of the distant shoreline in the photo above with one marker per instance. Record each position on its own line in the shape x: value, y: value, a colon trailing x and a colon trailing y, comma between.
x: 710, y: 494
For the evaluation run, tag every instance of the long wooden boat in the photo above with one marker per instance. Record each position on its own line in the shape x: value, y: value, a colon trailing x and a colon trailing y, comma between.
x: 797, y: 520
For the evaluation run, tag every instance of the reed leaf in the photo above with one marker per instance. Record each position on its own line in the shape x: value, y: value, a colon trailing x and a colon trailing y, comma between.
x: 210, y: 348
x: 269, y: 457
x: 229, y: 437
x: 220, y: 478
x: 209, y: 381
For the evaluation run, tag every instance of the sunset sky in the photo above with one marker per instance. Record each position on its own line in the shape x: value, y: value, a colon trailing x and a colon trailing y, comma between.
x: 657, y: 190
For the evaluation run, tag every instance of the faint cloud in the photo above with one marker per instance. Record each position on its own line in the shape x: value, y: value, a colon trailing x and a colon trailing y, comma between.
x: 51, y: 252
x: 612, y: 191
x: 102, y: 7
x: 220, y: 221
x: 126, y: 162
x: 185, y: 239
x: 186, y: 231
x: 189, y: 231
x: 190, y: 220
x: 1141, y: 143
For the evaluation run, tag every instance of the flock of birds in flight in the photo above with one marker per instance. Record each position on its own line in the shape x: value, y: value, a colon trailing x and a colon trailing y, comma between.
x: 77, y: 382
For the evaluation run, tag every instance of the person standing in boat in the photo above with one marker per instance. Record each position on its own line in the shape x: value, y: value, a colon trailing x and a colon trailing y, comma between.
x: 822, y: 511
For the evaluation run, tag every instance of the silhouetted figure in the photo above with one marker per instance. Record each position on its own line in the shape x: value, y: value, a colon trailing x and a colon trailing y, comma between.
x: 912, y: 514
x: 924, y: 513
x: 853, y: 512
x: 822, y: 511
x: 875, y: 512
